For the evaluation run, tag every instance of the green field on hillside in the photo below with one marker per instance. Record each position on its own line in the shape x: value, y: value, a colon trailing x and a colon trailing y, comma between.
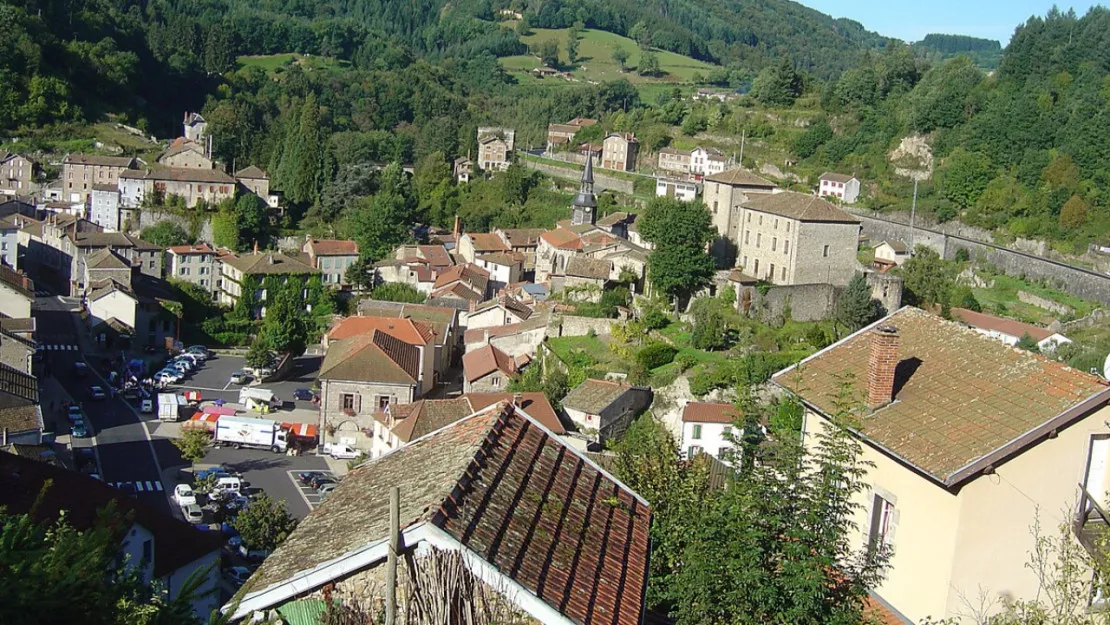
x: 595, y: 61
x: 277, y: 62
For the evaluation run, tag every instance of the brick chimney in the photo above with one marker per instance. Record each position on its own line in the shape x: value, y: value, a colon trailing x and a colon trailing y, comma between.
x: 473, y: 306
x: 881, y: 363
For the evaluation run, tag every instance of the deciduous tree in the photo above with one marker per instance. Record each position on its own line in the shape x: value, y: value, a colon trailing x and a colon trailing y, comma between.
x: 165, y: 234
x: 265, y: 523
x: 680, y: 264
x: 619, y: 55
x: 193, y: 443
x: 854, y: 306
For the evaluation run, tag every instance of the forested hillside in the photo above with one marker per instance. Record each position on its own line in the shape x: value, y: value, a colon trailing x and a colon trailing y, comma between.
x: 936, y: 48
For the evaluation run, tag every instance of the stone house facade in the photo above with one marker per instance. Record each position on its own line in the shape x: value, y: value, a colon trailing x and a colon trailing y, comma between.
x: 792, y: 238
x: 603, y: 410
x: 17, y: 174
x: 81, y: 171
x: 724, y: 193
x: 197, y: 264
x: 619, y: 151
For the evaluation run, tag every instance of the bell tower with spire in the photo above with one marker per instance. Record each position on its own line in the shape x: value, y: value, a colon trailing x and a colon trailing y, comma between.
x: 584, y: 208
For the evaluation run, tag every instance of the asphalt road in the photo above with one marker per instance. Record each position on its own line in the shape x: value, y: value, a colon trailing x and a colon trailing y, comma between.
x: 124, y: 448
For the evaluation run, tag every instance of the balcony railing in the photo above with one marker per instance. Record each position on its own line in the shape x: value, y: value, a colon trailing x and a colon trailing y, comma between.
x: 1091, y: 521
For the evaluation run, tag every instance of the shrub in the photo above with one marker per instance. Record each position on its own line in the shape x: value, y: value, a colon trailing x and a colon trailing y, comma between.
x: 655, y: 319
x: 686, y: 361
x: 962, y: 297
x: 655, y: 355
x: 962, y: 255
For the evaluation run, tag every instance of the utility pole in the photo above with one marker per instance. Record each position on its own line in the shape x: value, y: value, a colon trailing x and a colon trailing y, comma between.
x: 391, y: 561
x: 913, y: 213
x: 743, y: 136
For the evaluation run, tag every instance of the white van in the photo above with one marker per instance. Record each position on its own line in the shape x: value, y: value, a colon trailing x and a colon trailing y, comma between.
x: 232, y: 484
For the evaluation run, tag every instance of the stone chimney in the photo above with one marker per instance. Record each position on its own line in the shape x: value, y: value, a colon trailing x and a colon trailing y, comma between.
x: 473, y: 306
x: 458, y: 229
x: 256, y: 247
x: 881, y: 363
x: 518, y: 400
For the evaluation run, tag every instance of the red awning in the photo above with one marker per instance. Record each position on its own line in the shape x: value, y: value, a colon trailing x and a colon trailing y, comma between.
x: 218, y: 410
x: 206, y: 417
x: 306, y: 430
x: 192, y: 395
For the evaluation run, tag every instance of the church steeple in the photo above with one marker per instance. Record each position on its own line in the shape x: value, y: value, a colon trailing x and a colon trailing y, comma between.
x: 584, y: 208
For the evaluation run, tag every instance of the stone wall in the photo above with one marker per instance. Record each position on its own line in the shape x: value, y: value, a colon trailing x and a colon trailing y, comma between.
x: 807, y: 302
x: 601, y: 181
x: 1077, y: 281
x: 581, y: 326
x: 149, y: 217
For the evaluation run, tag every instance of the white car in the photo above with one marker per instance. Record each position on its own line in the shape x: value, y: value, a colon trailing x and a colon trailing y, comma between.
x: 184, y: 496
x: 165, y: 377
x: 193, y: 514
x: 147, y: 406
x: 341, y: 452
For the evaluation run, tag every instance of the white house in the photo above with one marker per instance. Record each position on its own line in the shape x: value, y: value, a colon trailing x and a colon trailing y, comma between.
x: 498, y: 312
x: 708, y: 161
x: 682, y: 190
x: 504, y: 268
x: 706, y: 427
x: 113, y: 301
x: 1009, y: 331
x: 891, y: 254
x: 9, y: 239
x: 840, y: 186
x: 104, y: 207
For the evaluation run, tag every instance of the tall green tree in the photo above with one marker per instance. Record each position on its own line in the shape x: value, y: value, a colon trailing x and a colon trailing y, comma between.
x: 680, y: 263
x: 778, y: 85
x: 778, y: 544
x: 265, y: 523
x: 165, y: 234
x: 385, y: 220
x: 965, y: 176
x: 284, y: 327
x: 650, y: 462
x: 927, y: 278
x: 619, y: 55
x: 854, y: 306
x: 303, y: 167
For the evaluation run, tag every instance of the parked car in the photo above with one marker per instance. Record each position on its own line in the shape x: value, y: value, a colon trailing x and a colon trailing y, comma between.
x: 307, y: 476
x: 78, y: 430
x: 188, y: 359
x: 181, y: 365
x: 199, y: 350
x: 80, y: 369
x: 253, y: 555
x: 97, y: 392
x: 238, y: 574
x: 75, y: 413
x: 184, y: 496
x: 216, y: 471
x: 147, y: 406
x: 304, y: 394
x: 320, y: 481
x: 341, y: 452
x: 326, y: 488
x: 193, y: 513
x: 167, y: 377
x: 240, y: 377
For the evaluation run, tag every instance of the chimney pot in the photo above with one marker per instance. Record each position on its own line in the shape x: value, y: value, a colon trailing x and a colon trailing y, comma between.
x: 473, y: 305
x: 881, y: 363
x: 518, y: 400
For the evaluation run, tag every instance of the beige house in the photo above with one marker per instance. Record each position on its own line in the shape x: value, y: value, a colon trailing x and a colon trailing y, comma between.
x: 185, y: 154
x: 474, y: 244
x: 81, y: 171
x: 793, y: 238
x: 619, y: 151
x: 333, y: 257
x: 257, y: 182
x: 192, y: 185
x: 724, y: 193
x: 498, y: 312
x: 197, y: 264
x: 559, y: 135
x: 17, y: 174
x: 971, y: 443
x: 443, y: 321
x: 495, y: 147
x: 194, y: 128
x: 234, y: 269
x: 674, y: 160
x: 889, y: 254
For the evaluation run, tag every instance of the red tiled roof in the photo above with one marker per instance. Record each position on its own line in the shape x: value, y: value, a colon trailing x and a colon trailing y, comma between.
x: 561, y: 237
x: 436, y: 255
x: 960, y: 397
x: 487, y: 242
x: 707, y: 412
x: 535, y: 509
x: 1010, y: 327
x: 469, y: 272
x: 407, y: 330
x: 334, y: 247
x: 199, y: 248
x: 479, y: 363
x: 535, y: 404
x: 176, y: 543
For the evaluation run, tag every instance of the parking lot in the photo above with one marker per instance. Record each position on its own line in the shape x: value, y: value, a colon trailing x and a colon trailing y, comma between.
x: 310, y: 495
x: 271, y: 473
x: 213, y: 379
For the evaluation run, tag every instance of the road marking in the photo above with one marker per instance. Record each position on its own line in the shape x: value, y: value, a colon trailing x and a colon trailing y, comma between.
x: 197, y: 388
x: 141, y: 486
x: 61, y: 348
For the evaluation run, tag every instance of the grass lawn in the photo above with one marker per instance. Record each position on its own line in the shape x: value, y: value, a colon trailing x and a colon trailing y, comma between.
x: 276, y: 62
x: 566, y: 348
x: 595, y: 61
x: 1002, y: 297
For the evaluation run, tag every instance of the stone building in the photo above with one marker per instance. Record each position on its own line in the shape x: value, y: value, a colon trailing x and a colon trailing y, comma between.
x: 81, y: 171
x: 603, y: 410
x: 792, y: 238
x: 198, y: 264
x: 17, y: 174
x: 619, y: 151
x: 235, y: 269
x: 725, y: 192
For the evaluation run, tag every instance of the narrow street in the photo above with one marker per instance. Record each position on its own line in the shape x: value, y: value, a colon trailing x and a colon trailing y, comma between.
x: 124, y: 449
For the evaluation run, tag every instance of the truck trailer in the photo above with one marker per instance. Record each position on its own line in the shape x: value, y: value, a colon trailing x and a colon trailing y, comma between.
x: 171, y: 406
x: 251, y: 432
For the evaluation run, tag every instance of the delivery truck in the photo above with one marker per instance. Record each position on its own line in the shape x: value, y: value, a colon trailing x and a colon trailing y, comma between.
x: 251, y: 432
x: 171, y: 406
